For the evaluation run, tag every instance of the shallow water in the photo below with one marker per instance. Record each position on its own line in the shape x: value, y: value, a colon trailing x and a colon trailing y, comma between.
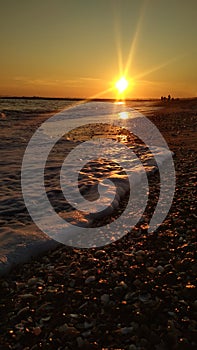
x: 19, y: 121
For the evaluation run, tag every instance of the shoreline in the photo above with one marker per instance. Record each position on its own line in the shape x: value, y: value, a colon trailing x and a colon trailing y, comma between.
x: 29, y: 238
x: 139, y: 290
x: 173, y: 138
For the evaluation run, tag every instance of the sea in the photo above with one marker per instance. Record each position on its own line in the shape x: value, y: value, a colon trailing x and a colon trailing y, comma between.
x: 32, y: 146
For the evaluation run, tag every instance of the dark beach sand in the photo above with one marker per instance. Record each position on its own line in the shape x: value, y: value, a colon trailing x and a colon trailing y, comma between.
x: 138, y: 293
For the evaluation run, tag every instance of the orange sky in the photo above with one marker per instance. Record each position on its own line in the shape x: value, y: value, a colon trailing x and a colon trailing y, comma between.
x: 77, y: 48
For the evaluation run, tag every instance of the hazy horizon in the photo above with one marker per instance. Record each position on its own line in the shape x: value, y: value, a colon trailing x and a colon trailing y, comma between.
x: 96, y: 98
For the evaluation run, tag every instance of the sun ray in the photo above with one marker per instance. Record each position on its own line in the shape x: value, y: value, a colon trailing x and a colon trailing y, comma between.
x: 117, y: 31
x: 90, y: 98
x: 158, y: 67
x: 101, y: 93
x: 119, y: 53
x: 135, y: 38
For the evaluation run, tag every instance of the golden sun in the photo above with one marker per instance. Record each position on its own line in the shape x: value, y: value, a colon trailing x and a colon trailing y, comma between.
x: 121, y: 84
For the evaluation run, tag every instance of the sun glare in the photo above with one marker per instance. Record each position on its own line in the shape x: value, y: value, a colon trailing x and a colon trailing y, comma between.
x: 123, y: 115
x: 121, y: 84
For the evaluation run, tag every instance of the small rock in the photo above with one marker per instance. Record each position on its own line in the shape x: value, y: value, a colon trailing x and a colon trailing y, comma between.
x: 137, y: 282
x: 151, y: 269
x: 160, y: 268
x: 63, y: 328
x: 129, y: 296
x: 68, y: 330
x: 118, y: 290
x: 105, y: 298
x: 45, y: 319
x: 86, y: 334
x: 74, y: 316
x: 27, y: 296
x: 37, y: 331
x: 140, y: 252
x: 90, y: 279
x: 23, y: 311
x: 80, y: 342
x: 140, y: 255
x: 4, y: 284
x: 123, y: 285
x: 88, y: 325
x: 126, y: 330
x: 168, y: 267
x: 72, y: 283
x: 144, y: 297
x: 32, y: 281
x: 132, y: 347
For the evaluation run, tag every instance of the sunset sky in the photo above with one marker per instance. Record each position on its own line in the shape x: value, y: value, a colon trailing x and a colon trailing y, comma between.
x: 79, y: 48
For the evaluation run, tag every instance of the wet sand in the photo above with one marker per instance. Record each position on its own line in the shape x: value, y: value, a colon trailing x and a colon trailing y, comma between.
x: 137, y: 293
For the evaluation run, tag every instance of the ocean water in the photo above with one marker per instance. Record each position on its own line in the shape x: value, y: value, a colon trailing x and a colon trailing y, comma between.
x: 52, y: 105
x: 20, y: 119
x: 32, y: 106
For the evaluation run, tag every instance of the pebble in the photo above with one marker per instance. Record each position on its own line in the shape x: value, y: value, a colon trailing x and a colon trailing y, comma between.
x: 75, y: 316
x: 119, y: 290
x: 86, y: 333
x: 195, y: 304
x: 32, y: 281
x: 123, y: 284
x: 80, y: 342
x: 90, y: 279
x: 140, y: 252
x: 4, y: 284
x: 27, y: 296
x: 132, y: 347
x: 126, y: 330
x: 88, y: 325
x: 23, y: 311
x: 105, y: 298
x: 137, y: 282
x: 37, y: 331
x: 129, y: 296
x: 140, y: 256
x: 160, y: 268
x: 68, y: 330
x: 99, y: 253
x: 151, y: 269
x: 144, y: 297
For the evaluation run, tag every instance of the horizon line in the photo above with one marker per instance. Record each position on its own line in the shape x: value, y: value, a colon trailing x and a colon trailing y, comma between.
x: 89, y: 99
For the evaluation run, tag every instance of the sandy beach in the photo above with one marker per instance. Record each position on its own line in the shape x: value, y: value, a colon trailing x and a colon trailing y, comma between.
x: 138, y: 293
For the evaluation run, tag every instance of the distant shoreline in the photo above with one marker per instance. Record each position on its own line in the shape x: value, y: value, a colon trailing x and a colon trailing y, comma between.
x: 86, y: 99
x: 73, y: 98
